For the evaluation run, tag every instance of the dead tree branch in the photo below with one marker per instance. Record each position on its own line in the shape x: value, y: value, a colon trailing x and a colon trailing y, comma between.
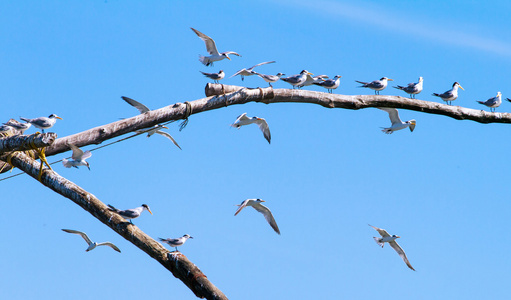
x: 26, y: 142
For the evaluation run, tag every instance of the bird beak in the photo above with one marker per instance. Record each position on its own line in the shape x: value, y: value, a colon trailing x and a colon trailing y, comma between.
x: 461, y: 87
x: 191, y: 237
x: 262, y: 200
x: 149, y: 211
x: 228, y: 57
x: 59, y: 118
x: 398, y: 237
x: 310, y: 73
x: 390, y: 79
x: 165, y: 127
x: 88, y: 166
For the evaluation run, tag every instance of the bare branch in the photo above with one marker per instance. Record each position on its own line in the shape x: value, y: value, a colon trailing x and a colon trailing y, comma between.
x: 26, y: 142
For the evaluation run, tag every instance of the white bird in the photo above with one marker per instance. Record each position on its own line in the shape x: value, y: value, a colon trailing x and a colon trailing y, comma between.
x: 156, y: 129
x: 412, y: 88
x: 6, y: 128
x: 309, y: 80
x: 263, y: 126
x: 176, y: 242
x: 43, y: 122
x: 397, y: 124
x: 77, y: 158
x: 451, y: 94
x: 211, y: 48
x: 250, y: 71
x: 129, y: 214
x: 18, y: 126
x: 298, y: 79
x: 330, y: 84
x: 493, y: 102
x: 92, y: 244
x: 270, y: 78
x: 391, y: 239
x: 256, y: 204
x: 376, y: 85
x: 215, y: 76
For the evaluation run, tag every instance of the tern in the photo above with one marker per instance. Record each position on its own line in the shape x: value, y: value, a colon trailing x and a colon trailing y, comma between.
x: 244, y: 120
x: 376, y: 85
x: 298, y: 79
x: 92, y: 244
x: 43, y: 122
x: 176, y: 242
x: 256, y: 204
x: 250, y: 71
x: 156, y: 129
x: 391, y: 239
x: 270, y: 78
x: 129, y: 214
x: 6, y: 128
x: 493, y: 102
x: 451, y: 94
x: 18, y: 126
x: 309, y: 80
x: 412, y: 88
x: 215, y: 76
x: 211, y: 48
x: 397, y: 124
x: 78, y: 158
x: 330, y: 84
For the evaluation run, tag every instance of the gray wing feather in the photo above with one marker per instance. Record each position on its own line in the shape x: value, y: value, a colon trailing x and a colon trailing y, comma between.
x: 382, y: 232
x: 77, y: 152
x: 393, y: 115
x: 263, y: 63
x: 210, y: 43
x: 263, y: 125
x: 165, y: 134
x: 110, y: 245
x: 141, y: 107
x: 83, y: 234
x: 401, y: 253
x: 267, y: 215
x: 241, y: 206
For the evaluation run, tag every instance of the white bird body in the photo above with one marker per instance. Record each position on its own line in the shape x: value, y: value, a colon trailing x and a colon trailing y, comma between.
x: 130, y: 214
x: 397, y: 124
x: 376, y: 85
x: 493, y: 102
x: 309, y: 80
x: 298, y: 79
x: 43, y: 122
x: 451, y: 94
x: 270, y: 78
x: 215, y: 76
x: 176, y: 242
x: 250, y: 71
x: 412, y: 88
x: 256, y: 204
x: 91, y: 244
x: 391, y: 240
x: 211, y: 48
x: 330, y: 84
x: 77, y: 158
x: 243, y: 120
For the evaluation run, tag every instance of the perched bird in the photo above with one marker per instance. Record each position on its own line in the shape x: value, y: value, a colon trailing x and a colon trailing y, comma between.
x: 211, y: 47
x: 92, y: 244
x: 493, y: 102
x: 297, y: 80
x: 244, y: 120
x: 309, y: 80
x: 391, y: 239
x: 376, y: 85
x: 412, y: 88
x: 6, y: 129
x: 156, y: 129
x: 19, y: 126
x: 43, y: 122
x: 330, y: 84
x: 176, y: 242
x: 397, y: 124
x: 250, y: 71
x: 256, y: 204
x: 129, y: 214
x: 78, y: 158
x: 270, y: 78
x: 215, y: 76
x: 451, y: 94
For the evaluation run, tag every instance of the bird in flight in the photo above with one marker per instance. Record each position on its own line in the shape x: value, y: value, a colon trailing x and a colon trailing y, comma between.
x: 77, y: 158
x: 391, y: 240
x: 397, y: 124
x: 92, y: 244
x: 256, y: 204
x: 211, y: 48
x: 263, y: 126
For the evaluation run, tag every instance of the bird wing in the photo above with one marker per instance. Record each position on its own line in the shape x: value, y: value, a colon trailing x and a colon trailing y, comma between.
x: 263, y: 63
x: 263, y: 125
x: 83, y: 234
x: 375, y: 84
x: 77, y: 152
x: 141, y: 107
x: 168, y: 136
x: 110, y: 245
x: 239, y: 72
x: 267, y: 215
x: 401, y: 253
x: 393, y: 115
x: 241, y: 206
x: 382, y: 232
x: 210, y: 44
x: 86, y: 154
x: 128, y: 213
x: 240, y: 118
x: 231, y: 52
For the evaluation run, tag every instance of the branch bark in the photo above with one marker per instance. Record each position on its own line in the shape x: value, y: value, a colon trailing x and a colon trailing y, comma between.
x: 26, y: 142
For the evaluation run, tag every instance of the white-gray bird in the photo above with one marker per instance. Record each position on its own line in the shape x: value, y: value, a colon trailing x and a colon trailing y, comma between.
x: 298, y: 79
x: 309, y: 80
x: 243, y: 120
x: 493, y: 102
x: 391, y: 239
x: 270, y: 78
x: 451, y: 94
x: 6, y: 129
x: 250, y: 71
x: 376, y: 85
x: 77, y: 158
x: 215, y: 76
x: 412, y: 89
x: 176, y: 242
x: 130, y: 214
x: 397, y: 124
x: 256, y: 204
x: 211, y: 48
x: 18, y: 126
x: 43, y: 122
x: 92, y: 244
x: 330, y: 84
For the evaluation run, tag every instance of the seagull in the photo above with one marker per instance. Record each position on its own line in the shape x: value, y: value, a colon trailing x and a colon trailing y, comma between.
x: 92, y: 244
x: 176, y: 242
x: 78, y: 158
x: 211, y: 47
x: 130, y: 213
x: 451, y: 94
x: 387, y: 238
x: 244, y: 120
x: 493, y: 102
x: 270, y: 78
x: 18, y: 126
x: 298, y: 79
x: 397, y: 124
x: 412, y: 88
x: 256, y: 204
x: 250, y: 71
x: 215, y: 76
x: 376, y: 85
x: 330, y: 84
x: 43, y: 122
x: 313, y: 80
x: 156, y: 129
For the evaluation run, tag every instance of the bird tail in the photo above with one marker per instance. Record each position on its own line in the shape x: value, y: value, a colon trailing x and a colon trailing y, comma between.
x: 399, y: 87
x: 481, y: 102
x: 386, y: 130
x: 435, y: 94
x: 25, y: 119
x: 66, y: 163
x: 378, y: 241
x: 111, y: 208
x: 361, y: 82
x: 204, y: 60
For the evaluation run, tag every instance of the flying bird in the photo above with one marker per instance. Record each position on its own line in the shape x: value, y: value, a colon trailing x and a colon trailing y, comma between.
x: 451, y: 94
x: 92, y: 244
x: 211, y: 48
x: 270, y: 78
x: 77, y: 158
x: 412, y: 88
x: 256, y: 204
x: 129, y: 214
x: 391, y: 239
x: 397, y: 124
x: 330, y: 84
x: 493, y: 102
x: 376, y: 85
x: 250, y: 71
x: 176, y: 242
x: 298, y: 79
x: 43, y: 122
x: 244, y: 120
x: 309, y: 80
x: 215, y: 76
x: 18, y: 126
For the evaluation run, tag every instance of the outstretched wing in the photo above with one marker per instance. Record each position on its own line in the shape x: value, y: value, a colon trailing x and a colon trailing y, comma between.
x: 168, y: 136
x: 401, y: 253
x: 77, y: 152
x: 393, y: 115
x: 141, y: 107
x: 210, y: 44
x: 267, y: 215
x: 263, y: 63
x: 86, y: 154
x: 231, y: 52
x: 110, y: 245
x: 83, y: 234
x: 382, y: 232
x: 263, y: 125
x: 242, y: 206
x: 240, y: 118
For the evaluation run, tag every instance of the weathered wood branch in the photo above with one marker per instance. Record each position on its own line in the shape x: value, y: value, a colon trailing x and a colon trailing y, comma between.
x: 175, y: 262
x: 26, y: 142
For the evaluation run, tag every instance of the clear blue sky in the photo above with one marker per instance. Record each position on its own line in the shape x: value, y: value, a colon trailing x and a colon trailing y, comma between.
x: 328, y: 173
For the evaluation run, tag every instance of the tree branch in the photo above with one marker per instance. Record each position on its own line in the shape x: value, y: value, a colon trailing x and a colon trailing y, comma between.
x: 26, y: 142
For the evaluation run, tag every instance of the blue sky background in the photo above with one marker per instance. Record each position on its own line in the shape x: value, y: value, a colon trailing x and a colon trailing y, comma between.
x: 328, y: 173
